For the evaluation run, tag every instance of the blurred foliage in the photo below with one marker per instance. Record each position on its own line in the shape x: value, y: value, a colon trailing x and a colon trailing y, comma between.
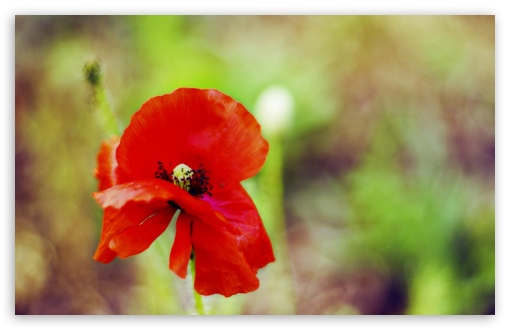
x: 387, y: 190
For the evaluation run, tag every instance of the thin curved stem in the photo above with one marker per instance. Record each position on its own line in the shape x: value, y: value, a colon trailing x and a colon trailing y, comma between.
x: 199, y: 305
x: 271, y: 180
x: 93, y: 73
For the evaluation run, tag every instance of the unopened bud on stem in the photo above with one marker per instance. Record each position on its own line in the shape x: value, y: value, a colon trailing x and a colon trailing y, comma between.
x: 94, y: 75
x: 274, y: 109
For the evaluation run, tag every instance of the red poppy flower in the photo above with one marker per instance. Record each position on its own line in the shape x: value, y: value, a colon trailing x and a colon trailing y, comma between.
x: 187, y: 150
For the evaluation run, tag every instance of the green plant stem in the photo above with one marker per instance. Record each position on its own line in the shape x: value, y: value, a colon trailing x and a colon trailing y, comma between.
x: 271, y: 182
x: 104, y: 111
x: 199, y: 305
x: 94, y: 75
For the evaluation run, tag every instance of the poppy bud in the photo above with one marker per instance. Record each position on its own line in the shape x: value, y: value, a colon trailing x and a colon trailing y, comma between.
x: 93, y: 72
x: 274, y: 109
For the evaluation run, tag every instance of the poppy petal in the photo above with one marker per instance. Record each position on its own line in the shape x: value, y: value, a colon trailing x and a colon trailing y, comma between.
x: 159, y: 194
x: 129, y: 204
x: 106, y: 171
x: 195, y: 127
x: 116, y: 220
x: 181, y: 250
x: 220, y: 266
x: 234, y: 203
x: 136, y: 239
x: 103, y: 252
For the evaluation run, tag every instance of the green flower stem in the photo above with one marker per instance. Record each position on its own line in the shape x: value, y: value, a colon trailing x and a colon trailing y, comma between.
x: 273, y: 183
x: 272, y: 187
x: 162, y: 294
x: 199, y: 305
x: 94, y: 75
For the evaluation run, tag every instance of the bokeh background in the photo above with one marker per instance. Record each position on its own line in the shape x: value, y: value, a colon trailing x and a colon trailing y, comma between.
x: 378, y: 191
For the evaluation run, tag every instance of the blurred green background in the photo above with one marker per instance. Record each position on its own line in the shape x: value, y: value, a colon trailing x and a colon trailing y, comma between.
x: 378, y: 197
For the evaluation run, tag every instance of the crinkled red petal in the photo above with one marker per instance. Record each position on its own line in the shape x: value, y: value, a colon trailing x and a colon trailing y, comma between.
x: 195, y: 127
x: 158, y: 193
x: 116, y: 220
x: 106, y: 170
x: 130, y: 204
x: 103, y: 252
x: 220, y: 266
x: 234, y: 203
x: 136, y: 239
x: 227, y: 262
x: 181, y: 249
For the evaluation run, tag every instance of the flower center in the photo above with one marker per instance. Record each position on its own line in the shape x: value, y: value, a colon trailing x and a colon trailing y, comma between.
x: 182, y: 176
x: 195, y: 182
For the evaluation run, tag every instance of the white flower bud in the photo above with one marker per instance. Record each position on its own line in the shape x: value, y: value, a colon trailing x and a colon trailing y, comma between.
x: 274, y: 109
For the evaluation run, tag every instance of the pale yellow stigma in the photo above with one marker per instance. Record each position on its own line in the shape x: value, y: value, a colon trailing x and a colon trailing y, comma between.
x: 182, y: 175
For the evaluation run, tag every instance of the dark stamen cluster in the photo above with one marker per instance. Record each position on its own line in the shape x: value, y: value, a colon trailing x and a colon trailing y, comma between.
x: 196, y: 181
x: 161, y: 173
x: 199, y: 182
